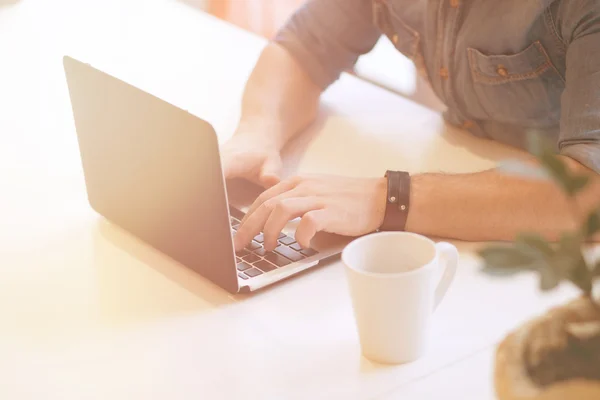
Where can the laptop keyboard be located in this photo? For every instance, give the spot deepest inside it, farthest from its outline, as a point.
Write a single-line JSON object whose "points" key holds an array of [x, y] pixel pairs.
{"points": [[254, 260]]}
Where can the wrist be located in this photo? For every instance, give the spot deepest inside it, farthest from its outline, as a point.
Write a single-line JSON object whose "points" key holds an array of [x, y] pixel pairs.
{"points": [[397, 201], [380, 199], [262, 130]]}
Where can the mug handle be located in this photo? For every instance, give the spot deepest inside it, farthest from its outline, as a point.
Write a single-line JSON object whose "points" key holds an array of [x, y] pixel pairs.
{"points": [[450, 255]]}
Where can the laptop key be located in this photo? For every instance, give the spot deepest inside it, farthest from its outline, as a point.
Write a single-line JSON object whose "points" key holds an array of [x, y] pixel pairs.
{"points": [[236, 227], [241, 275], [253, 272], [277, 259], [288, 253], [243, 266], [308, 252], [242, 253], [253, 246], [281, 235], [252, 258], [296, 246], [259, 238], [287, 240], [260, 251], [265, 266], [235, 213]]}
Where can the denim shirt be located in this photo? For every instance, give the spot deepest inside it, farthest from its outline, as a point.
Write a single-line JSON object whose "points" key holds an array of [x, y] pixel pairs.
{"points": [[502, 67]]}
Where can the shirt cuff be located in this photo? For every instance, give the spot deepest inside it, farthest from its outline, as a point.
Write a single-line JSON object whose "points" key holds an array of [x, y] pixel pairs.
{"points": [[305, 58], [587, 154]]}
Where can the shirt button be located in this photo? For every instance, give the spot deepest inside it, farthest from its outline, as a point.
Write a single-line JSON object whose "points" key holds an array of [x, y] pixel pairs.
{"points": [[444, 73], [502, 71], [454, 3]]}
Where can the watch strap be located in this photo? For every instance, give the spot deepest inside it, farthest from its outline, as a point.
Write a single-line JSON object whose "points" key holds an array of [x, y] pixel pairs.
{"points": [[397, 201]]}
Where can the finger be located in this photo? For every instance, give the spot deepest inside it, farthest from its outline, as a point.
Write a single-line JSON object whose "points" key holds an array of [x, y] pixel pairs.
{"points": [[311, 223], [282, 187], [270, 172], [253, 224], [231, 167], [285, 210]]}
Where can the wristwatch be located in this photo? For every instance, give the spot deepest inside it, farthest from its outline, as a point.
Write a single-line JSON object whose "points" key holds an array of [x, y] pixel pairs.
{"points": [[397, 201]]}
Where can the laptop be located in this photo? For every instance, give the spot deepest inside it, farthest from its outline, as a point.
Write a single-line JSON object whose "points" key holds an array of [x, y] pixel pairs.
{"points": [[154, 170]]}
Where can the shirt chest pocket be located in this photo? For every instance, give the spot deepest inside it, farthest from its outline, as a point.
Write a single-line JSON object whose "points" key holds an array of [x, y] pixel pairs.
{"points": [[405, 38], [522, 88]]}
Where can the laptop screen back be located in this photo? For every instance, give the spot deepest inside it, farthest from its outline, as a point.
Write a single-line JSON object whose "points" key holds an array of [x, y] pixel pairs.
{"points": [[154, 170]]}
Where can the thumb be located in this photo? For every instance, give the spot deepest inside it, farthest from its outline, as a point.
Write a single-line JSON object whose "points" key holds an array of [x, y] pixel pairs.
{"points": [[231, 168], [232, 163], [270, 171]]}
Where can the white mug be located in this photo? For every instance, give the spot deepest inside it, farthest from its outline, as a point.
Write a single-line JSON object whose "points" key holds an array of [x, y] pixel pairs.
{"points": [[395, 285]]}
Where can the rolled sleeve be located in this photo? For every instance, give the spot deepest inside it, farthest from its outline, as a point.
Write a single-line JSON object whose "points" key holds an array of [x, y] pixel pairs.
{"points": [[580, 120], [326, 37], [587, 154]]}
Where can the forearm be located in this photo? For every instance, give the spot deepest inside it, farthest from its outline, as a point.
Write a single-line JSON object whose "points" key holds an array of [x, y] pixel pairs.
{"points": [[490, 205], [279, 98]]}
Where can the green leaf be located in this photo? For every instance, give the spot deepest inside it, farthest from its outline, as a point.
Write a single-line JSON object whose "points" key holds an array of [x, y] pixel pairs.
{"points": [[569, 250], [554, 265], [562, 265], [575, 184], [556, 168], [569, 262], [522, 169], [534, 245], [548, 279], [571, 184], [592, 225], [571, 243], [565, 258], [553, 165], [596, 271], [504, 259], [541, 252], [537, 144], [581, 276]]}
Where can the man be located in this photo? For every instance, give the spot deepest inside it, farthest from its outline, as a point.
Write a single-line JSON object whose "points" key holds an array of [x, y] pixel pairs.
{"points": [[502, 68]]}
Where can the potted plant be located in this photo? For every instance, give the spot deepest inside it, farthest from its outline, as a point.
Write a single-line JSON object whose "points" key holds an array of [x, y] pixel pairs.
{"points": [[556, 355]]}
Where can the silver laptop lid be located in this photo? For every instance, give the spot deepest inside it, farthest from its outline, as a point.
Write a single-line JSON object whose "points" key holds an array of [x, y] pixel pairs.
{"points": [[153, 170]]}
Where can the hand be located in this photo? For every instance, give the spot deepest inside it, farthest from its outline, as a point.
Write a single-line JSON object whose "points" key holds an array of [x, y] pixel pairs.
{"points": [[345, 206], [251, 156]]}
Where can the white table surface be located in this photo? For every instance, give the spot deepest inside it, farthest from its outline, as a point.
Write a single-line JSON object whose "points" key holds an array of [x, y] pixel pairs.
{"points": [[468, 379], [87, 312]]}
